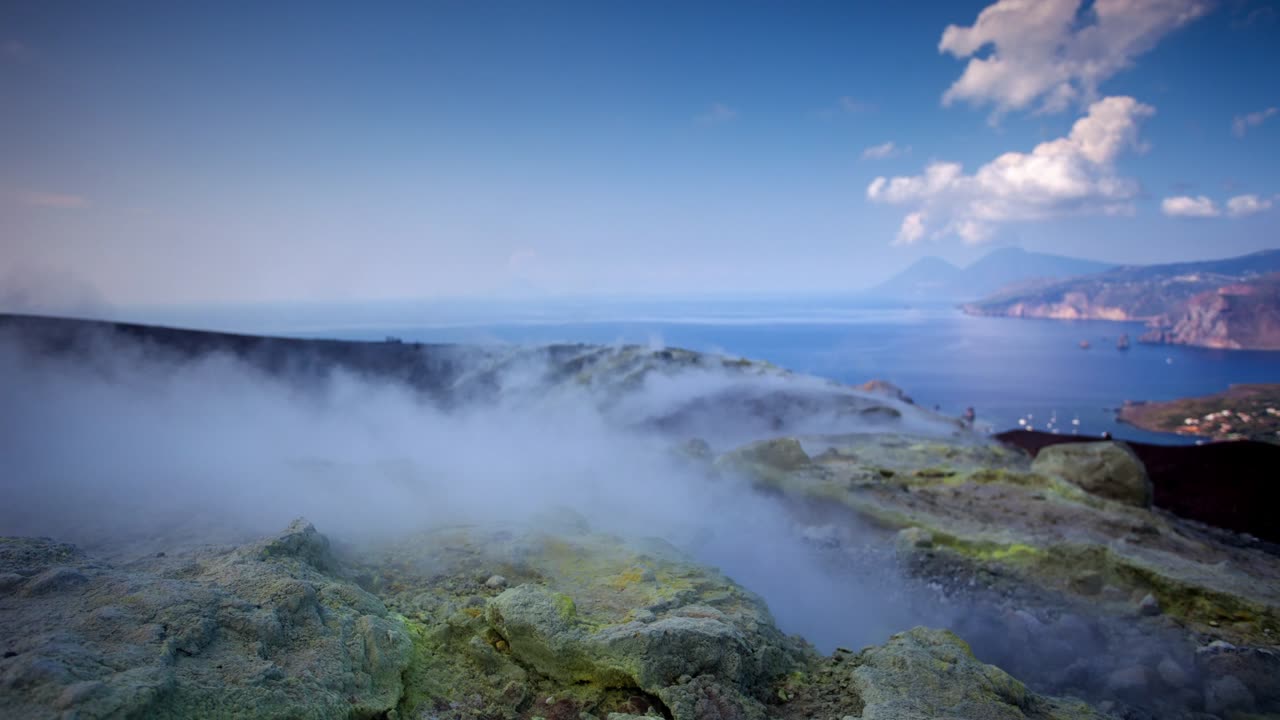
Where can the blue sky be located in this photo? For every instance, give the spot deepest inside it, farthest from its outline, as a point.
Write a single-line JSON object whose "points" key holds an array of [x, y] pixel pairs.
{"points": [[158, 153]]}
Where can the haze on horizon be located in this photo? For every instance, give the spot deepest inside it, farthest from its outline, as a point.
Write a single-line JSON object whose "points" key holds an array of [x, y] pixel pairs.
{"points": [[164, 154]]}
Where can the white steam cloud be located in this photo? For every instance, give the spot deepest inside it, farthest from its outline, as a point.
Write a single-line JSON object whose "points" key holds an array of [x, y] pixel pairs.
{"points": [[132, 448]]}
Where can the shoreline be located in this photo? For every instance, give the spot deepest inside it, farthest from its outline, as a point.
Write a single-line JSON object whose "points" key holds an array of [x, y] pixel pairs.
{"points": [[1241, 412]]}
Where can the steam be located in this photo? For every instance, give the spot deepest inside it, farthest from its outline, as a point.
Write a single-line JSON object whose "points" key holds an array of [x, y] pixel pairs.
{"points": [[127, 448], [132, 448], [33, 288]]}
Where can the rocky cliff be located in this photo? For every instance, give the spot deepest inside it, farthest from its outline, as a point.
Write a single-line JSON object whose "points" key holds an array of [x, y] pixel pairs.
{"points": [[1228, 304], [1240, 316], [1103, 297]]}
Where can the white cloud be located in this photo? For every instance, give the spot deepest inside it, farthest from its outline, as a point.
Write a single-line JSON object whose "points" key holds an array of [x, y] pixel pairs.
{"points": [[885, 150], [1242, 205], [912, 229], [1048, 51], [1187, 206], [1204, 207], [717, 114], [1070, 175], [1241, 124]]}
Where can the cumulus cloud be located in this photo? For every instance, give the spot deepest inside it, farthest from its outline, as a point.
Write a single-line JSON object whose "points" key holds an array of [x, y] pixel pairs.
{"points": [[1241, 124], [1187, 206], [885, 150], [1202, 206], [717, 114], [1070, 175], [1242, 205], [912, 229], [1050, 52]]}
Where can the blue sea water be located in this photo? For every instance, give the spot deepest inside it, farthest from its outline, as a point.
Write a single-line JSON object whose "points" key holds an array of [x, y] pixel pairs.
{"points": [[1013, 372]]}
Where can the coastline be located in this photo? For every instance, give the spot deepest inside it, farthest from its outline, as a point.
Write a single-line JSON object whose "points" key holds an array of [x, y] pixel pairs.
{"points": [[1241, 412]]}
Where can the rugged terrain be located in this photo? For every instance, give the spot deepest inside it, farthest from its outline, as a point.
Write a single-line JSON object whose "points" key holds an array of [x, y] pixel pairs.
{"points": [[576, 625], [1240, 316], [991, 584], [1230, 304], [1095, 590]]}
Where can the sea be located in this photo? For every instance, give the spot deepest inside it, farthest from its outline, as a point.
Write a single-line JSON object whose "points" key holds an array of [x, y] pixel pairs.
{"points": [[1015, 373]]}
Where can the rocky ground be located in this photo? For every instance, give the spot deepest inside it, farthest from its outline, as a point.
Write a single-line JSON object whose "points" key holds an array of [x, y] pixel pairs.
{"points": [[1045, 588], [1057, 571], [553, 622]]}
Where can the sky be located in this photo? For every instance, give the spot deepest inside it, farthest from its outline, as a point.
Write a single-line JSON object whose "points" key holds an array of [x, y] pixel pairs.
{"points": [[234, 152]]}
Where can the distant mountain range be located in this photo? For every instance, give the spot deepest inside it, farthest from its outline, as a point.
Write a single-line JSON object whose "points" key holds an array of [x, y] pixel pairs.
{"points": [[1232, 303], [935, 279]]}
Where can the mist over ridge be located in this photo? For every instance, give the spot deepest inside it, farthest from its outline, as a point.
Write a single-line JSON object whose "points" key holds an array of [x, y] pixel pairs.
{"points": [[129, 439]]}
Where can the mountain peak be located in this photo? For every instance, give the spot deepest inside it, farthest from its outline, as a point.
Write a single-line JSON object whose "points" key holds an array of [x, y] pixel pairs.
{"points": [[932, 278]]}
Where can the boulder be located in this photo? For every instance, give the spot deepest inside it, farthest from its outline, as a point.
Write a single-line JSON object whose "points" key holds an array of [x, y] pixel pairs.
{"points": [[543, 630], [705, 698], [1107, 469], [925, 673], [1257, 668], [594, 623], [778, 454], [1227, 694], [766, 463]]}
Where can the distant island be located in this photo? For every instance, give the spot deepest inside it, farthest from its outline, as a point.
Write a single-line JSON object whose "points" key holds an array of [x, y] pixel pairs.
{"points": [[1242, 412], [1230, 304], [935, 279]]}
